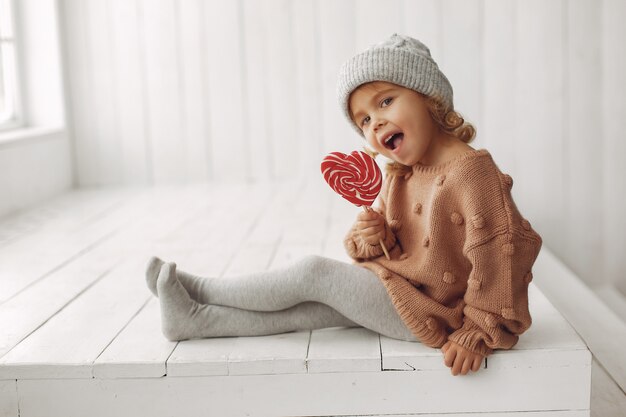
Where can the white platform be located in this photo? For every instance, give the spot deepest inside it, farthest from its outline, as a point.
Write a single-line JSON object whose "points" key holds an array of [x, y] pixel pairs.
{"points": [[80, 332]]}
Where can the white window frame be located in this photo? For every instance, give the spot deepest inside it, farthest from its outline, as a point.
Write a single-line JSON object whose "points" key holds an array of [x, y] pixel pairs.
{"points": [[15, 119]]}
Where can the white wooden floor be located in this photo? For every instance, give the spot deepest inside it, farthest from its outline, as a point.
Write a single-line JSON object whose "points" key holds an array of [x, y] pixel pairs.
{"points": [[80, 331]]}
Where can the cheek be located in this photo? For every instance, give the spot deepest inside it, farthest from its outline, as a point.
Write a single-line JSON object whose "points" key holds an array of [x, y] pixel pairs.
{"points": [[423, 123]]}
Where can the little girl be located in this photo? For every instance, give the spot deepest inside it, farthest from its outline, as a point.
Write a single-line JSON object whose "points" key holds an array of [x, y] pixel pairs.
{"points": [[460, 252]]}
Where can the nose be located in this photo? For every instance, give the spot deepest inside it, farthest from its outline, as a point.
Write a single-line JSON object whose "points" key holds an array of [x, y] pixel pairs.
{"points": [[377, 123]]}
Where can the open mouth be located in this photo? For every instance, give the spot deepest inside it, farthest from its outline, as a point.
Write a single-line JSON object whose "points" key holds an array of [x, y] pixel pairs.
{"points": [[393, 141]]}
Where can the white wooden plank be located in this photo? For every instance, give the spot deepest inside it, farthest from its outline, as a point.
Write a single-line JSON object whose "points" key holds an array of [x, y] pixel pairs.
{"points": [[261, 241], [333, 244], [162, 77], [270, 226], [308, 394], [550, 342], [409, 356], [551, 413], [304, 225], [613, 298], [584, 120], [281, 88], [227, 115], [19, 318], [462, 57], [308, 84], [539, 113], [198, 213], [129, 92], [24, 159], [579, 358], [284, 353], [613, 147], [24, 313], [68, 343], [607, 399], [107, 146], [226, 230], [116, 361], [587, 314], [22, 265], [354, 349], [372, 26], [498, 88], [81, 103], [139, 351], [422, 20], [252, 257], [63, 212], [9, 405], [68, 213], [201, 357], [336, 21], [261, 162], [287, 254], [193, 103], [549, 329]]}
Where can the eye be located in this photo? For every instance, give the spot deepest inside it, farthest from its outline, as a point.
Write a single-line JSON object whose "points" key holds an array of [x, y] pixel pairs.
{"points": [[387, 100], [365, 120]]}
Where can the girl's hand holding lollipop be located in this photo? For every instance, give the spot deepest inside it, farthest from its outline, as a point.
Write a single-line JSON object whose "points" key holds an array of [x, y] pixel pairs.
{"points": [[358, 179]]}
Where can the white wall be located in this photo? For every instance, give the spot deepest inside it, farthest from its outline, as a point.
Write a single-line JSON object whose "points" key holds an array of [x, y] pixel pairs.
{"points": [[35, 160], [189, 90]]}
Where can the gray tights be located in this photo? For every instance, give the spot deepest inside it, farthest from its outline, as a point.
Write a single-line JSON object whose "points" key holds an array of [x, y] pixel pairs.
{"points": [[312, 293]]}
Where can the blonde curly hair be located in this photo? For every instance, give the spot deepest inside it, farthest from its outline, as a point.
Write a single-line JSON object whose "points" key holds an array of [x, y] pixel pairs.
{"points": [[448, 120]]}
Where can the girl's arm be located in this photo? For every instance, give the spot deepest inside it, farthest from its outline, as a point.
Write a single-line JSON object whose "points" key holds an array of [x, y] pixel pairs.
{"points": [[496, 310], [502, 247]]}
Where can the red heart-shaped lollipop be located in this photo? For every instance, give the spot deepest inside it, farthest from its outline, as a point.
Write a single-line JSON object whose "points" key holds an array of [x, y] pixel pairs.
{"points": [[355, 177]]}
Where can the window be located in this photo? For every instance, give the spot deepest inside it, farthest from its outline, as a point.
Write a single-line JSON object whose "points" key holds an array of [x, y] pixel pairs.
{"points": [[9, 114]]}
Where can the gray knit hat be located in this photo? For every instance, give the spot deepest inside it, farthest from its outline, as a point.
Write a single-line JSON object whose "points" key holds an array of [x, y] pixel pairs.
{"points": [[400, 60]]}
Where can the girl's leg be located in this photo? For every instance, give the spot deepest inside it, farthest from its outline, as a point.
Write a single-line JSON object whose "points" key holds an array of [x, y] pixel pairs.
{"points": [[184, 318], [353, 291]]}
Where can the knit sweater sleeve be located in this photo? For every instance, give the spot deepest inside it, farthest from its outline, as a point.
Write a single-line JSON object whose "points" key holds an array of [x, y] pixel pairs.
{"points": [[501, 247], [360, 250]]}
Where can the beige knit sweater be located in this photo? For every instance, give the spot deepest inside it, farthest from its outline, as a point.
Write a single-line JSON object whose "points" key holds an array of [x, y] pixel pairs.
{"points": [[461, 253]]}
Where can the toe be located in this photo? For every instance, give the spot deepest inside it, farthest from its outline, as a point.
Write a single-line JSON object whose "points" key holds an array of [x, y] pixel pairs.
{"points": [[153, 267]]}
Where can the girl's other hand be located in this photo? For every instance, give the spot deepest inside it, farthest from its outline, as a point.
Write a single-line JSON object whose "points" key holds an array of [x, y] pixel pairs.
{"points": [[460, 359], [370, 226]]}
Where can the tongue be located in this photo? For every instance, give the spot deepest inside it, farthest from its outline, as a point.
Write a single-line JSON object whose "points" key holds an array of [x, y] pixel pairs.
{"points": [[396, 141]]}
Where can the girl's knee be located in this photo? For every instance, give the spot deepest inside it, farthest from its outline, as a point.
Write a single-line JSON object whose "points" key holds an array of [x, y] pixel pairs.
{"points": [[312, 263]]}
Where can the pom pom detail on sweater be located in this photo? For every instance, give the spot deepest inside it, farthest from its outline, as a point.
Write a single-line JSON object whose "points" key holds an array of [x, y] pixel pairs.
{"points": [[417, 208], [491, 320], [507, 180], [508, 313], [473, 284], [456, 218], [431, 323], [508, 249], [425, 241], [478, 221], [440, 179], [528, 277], [449, 277]]}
